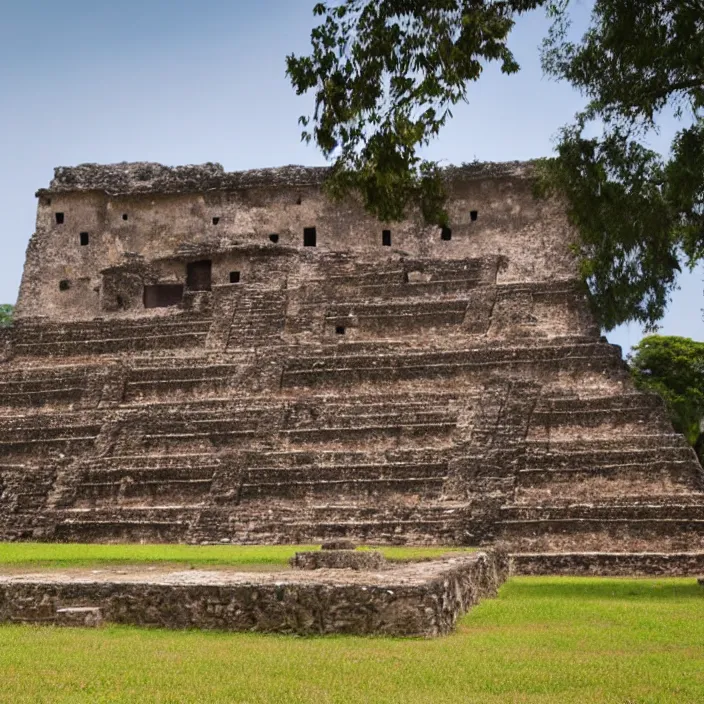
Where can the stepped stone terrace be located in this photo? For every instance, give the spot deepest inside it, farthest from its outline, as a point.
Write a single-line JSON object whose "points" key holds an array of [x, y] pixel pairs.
{"points": [[203, 356]]}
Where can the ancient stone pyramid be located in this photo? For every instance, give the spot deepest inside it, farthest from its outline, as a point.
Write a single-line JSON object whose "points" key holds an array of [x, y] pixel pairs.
{"points": [[210, 356]]}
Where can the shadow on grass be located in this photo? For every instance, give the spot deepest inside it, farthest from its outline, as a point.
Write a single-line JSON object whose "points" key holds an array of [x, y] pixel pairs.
{"points": [[603, 588]]}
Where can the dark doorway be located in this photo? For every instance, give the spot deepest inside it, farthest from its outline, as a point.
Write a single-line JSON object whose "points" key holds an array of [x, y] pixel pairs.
{"points": [[446, 234], [386, 238], [199, 275], [163, 295], [309, 237]]}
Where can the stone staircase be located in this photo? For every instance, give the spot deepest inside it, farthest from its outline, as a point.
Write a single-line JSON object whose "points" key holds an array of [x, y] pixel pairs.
{"points": [[450, 410], [109, 337]]}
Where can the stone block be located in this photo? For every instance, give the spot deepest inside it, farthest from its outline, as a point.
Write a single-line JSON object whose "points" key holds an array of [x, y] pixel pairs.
{"points": [[338, 545], [82, 616], [345, 559]]}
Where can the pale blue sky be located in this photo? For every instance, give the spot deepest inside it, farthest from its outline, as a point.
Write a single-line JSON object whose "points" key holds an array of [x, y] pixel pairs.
{"points": [[189, 81]]}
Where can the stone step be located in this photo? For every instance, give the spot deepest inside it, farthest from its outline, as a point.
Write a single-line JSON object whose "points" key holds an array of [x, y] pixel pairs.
{"points": [[647, 414], [159, 462], [46, 438], [352, 369], [428, 487], [46, 395], [546, 476], [625, 507], [60, 385], [343, 458], [571, 455], [347, 472], [115, 345], [121, 492], [264, 522], [615, 535], [374, 280], [114, 474], [621, 401], [646, 445], [609, 563], [101, 329], [395, 290], [397, 317], [159, 524], [120, 531], [537, 486], [350, 431], [190, 372], [429, 523]]}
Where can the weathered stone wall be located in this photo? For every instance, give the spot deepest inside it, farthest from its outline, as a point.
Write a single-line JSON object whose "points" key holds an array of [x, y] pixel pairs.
{"points": [[604, 564], [414, 600], [144, 222]]}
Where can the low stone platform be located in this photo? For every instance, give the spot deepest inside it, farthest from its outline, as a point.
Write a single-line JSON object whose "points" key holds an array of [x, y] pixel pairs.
{"points": [[415, 599], [609, 564]]}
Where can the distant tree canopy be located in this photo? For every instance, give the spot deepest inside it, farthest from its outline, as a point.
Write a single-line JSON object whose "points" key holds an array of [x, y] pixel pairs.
{"points": [[7, 312], [674, 368], [386, 74]]}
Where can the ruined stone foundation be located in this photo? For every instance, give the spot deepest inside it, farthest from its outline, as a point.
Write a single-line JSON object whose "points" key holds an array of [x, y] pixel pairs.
{"points": [[231, 357], [419, 599]]}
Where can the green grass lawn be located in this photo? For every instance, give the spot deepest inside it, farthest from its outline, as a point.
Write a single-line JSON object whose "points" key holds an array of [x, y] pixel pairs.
{"points": [[543, 640], [30, 555], [556, 640]]}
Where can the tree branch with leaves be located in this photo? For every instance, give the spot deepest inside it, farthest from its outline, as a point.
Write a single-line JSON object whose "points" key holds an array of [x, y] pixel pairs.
{"points": [[386, 75]]}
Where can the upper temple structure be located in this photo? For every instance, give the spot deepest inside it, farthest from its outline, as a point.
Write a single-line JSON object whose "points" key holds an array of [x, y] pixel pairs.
{"points": [[203, 356]]}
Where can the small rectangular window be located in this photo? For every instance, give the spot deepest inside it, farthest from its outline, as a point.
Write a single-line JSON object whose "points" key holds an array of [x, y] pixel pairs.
{"points": [[59, 218], [340, 330], [386, 238], [85, 237], [234, 277], [309, 237], [446, 234], [473, 215]]}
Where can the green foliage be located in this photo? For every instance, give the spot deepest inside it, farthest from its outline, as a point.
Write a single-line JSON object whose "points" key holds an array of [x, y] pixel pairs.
{"points": [[543, 641], [640, 215], [7, 312], [386, 74], [674, 368]]}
